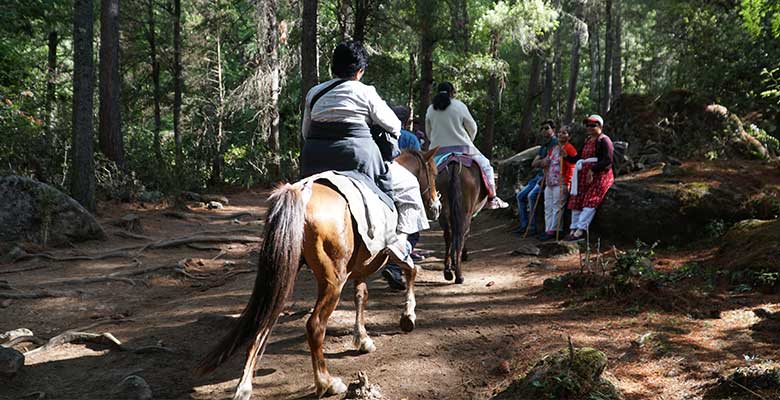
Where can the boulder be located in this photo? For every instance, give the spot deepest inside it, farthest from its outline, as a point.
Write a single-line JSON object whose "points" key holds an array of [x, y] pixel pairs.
{"points": [[751, 245], [666, 211], [566, 374], [514, 172], [11, 362], [132, 388], [34, 211], [763, 378]]}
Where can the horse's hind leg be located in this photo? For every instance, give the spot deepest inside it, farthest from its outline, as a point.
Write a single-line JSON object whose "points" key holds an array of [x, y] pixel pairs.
{"points": [[408, 317], [447, 259], [362, 342], [328, 299], [244, 389]]}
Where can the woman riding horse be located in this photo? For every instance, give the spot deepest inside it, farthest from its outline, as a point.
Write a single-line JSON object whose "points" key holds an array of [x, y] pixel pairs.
{"points": [[452, 128], [313, 223]]}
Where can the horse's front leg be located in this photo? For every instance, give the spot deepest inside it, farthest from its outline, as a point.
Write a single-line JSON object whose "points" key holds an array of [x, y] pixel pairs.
{"points": [[362, 342], [409, 317]]}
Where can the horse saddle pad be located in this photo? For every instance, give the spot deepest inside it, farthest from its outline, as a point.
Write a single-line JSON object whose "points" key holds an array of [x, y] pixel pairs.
{"points": [[442, 160], [375, 221]]}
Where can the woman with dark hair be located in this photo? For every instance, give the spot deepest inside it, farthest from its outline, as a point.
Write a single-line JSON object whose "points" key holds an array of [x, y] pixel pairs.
{"points": [[451, 127], [337, 137]]}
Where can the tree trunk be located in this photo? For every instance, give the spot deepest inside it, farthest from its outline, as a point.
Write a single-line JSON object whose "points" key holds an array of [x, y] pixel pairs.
{"points": [[177, 88], [410, 89], [425, 11], [272, 53], [608, 40], [617, 57], [459, 12], [151, 37], [494, 99], [309, 53], [574, 66], [595, 60], [547, 91], [82, 186], [362, 11], [51, 76], [218, 162], [526, 123], [342, 16], [110, 130], [558, 71]]}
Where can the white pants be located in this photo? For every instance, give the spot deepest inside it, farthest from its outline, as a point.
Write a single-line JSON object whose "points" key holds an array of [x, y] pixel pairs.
{"points": [[484, 164], [582, 219], [553, 206], [408, 200]]}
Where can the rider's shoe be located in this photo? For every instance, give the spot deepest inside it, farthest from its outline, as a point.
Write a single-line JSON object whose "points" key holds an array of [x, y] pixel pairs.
{"points": [[496, 203], [392, 274]]}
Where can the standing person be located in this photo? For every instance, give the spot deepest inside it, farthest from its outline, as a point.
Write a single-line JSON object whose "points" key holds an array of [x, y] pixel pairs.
{"points": [[450, 126], [337, 137], [557, 179], [594, 177], [526, 198]]}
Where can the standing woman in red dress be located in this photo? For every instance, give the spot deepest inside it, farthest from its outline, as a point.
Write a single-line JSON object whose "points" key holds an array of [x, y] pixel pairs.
{"points": [[594, 177]]}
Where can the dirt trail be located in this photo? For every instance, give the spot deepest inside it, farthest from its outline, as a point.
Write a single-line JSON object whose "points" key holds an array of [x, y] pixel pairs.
{"points": [[463, 334]]}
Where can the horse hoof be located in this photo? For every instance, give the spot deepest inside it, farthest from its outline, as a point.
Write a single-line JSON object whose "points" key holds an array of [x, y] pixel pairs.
{"points": [[407, 323], [336, 387], [366, 346], [447, 275], [459, 280]]}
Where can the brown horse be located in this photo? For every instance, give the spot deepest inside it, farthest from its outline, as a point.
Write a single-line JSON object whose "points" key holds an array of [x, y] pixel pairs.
{"points": [[462, 192], [326, 237]]}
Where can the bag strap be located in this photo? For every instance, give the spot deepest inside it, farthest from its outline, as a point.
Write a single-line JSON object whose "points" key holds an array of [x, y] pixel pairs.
{"points": [[323, 91]]}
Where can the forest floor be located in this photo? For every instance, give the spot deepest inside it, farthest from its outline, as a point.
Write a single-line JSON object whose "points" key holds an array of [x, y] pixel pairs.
{"points": [[463, 336]]}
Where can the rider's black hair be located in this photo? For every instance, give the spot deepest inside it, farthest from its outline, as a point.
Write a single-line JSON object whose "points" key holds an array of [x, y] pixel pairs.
{"points": [[442, 99], [348, 59]]}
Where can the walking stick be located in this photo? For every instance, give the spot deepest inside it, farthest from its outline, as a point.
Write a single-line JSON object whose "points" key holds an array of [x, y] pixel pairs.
{"points": [[533, 210], [560, 209]]}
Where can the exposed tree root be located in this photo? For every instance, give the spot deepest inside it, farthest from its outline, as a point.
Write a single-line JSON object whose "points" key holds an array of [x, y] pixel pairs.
{"points": [[105, 338], [41, 294]]}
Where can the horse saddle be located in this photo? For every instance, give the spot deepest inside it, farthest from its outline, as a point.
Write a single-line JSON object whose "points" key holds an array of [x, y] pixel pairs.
{"points": [[375, 222]]}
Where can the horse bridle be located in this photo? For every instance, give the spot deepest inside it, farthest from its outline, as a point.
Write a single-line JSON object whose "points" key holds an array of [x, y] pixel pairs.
{"points": [[424, 166]]}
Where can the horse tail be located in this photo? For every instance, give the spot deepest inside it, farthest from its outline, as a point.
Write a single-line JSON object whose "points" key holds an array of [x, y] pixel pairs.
{"points": [[277, 269], [455, 199]]}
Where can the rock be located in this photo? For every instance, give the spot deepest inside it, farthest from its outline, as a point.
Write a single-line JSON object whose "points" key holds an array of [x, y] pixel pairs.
{"points": [[553, 249], [566, 374], [526, 249], [6, 303], [751, 245], [362, 390], [153, 196], [206, 198], [11, 335], [504, 368], [754, 377], [130, 222], [670, 211], [214, 205], [514, 172], [132, 388], [11, 362], [36, 212]]}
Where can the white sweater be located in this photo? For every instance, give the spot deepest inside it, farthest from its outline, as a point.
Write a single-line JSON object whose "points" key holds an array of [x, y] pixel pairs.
{"points": [[352, 101], [453, 126]]}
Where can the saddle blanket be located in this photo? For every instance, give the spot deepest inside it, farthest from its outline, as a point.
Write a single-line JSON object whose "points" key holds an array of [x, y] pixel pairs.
{"points": [[442, 160], [376, 222]]}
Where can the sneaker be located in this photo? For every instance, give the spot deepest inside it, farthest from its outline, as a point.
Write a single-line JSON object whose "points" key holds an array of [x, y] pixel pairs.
{"points": [[496, 203], [575, 236], [392, 275], [416, 256]]}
